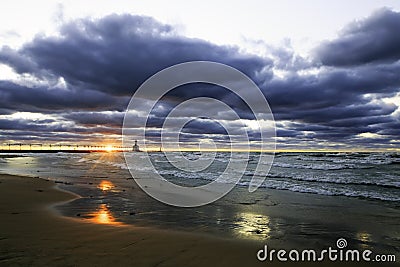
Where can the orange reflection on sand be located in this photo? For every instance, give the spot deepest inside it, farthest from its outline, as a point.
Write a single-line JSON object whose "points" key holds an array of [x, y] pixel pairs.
{"points": [[104, 216], [106, 185]]}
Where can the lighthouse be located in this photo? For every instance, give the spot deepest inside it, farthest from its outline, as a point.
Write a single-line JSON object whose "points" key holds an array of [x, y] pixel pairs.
{"points": [[136, 147]]}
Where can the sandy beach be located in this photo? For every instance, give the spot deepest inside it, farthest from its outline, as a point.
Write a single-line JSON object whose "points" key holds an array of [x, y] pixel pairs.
{"points": [[32, 234]]}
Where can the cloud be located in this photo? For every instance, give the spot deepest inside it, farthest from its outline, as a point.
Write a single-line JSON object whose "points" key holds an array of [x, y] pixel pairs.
{"points": [[20, 63], [204, 126], [370, 40], [109, 119], [86, 74], [117, 53], [44, 99]]}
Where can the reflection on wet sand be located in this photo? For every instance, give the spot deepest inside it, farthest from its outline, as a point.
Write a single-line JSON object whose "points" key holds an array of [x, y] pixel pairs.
{"points": [[103, 216], [365, 238], [106, 185], [253, 226]]}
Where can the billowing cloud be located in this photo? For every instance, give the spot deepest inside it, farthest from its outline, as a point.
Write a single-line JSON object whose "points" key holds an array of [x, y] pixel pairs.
{"points": [[85, 75], [117, 53], [54, 99], [375, 39]]}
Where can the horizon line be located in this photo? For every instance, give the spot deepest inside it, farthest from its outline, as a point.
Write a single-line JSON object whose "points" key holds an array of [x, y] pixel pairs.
{"points": [[118, 149]]}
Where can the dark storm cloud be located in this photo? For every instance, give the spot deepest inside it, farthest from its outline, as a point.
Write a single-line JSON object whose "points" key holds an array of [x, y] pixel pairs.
{"points": [[333, 87], [204, 126], [343, 101], [45, 99], [375, 39], [391, 128], [117, 53], [5, 111], [287, 133], [19, 62], [110, 119], [52, 126], [103, 61], [195, 139], [347, 100], [333, 114], [12, 124]]}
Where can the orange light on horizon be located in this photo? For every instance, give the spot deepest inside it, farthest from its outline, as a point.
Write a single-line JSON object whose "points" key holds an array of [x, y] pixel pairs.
{"points": [[109, 148]]}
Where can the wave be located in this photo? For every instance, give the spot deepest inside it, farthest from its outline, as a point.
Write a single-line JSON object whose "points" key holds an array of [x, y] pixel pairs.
{"points": [[395, 185], [333, 180], [350, 158], [319, 166], [327, 192], [315, 177]]}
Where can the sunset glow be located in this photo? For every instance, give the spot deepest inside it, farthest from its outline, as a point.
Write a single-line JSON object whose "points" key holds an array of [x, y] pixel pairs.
{"points": [[104, 216]]}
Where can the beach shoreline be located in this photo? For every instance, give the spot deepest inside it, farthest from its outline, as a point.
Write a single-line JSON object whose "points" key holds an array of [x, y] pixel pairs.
{"points": [[34, 235]]}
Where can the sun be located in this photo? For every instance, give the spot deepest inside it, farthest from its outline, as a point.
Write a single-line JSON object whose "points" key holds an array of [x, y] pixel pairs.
{"points": [[109, 148]]}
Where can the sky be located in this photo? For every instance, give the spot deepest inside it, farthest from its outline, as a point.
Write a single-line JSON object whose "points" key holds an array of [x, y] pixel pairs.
{"points": [[329, 69]]}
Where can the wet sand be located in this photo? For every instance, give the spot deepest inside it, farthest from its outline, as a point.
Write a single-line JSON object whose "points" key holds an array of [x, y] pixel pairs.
{"points": [[32, 234]]}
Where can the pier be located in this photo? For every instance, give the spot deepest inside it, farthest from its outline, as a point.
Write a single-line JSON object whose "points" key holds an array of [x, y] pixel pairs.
{"points": [[55, 148]]}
